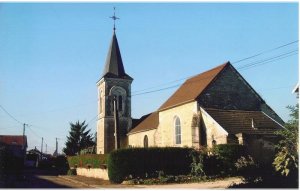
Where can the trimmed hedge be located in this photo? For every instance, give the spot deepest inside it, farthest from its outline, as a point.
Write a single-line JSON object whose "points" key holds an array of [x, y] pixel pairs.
{"points": [[142, 162], [89, 160]]}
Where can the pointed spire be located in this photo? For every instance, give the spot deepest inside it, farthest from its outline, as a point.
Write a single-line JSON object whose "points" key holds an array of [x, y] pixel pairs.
{"points": [[114, 64]]}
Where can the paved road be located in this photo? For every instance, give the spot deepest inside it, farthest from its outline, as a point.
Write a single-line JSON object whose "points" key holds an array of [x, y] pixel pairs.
{"points": [[104, 184], [218, 184], [34, 178]]}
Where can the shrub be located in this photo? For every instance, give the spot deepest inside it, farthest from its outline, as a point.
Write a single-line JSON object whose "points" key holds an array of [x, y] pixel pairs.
{"points": [[248, 169], [227, 155], [91, 160], [197, 166], [72, 172], [213, 166], [229, 152], [61, 164], [139, 162]]}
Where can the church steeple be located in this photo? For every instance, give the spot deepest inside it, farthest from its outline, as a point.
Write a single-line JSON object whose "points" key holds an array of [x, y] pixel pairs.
{"points": [[114, 95], [114, 65]]}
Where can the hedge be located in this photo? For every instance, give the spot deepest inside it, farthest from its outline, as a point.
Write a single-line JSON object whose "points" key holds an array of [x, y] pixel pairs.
{"points": [[223, 160], [89, 160], [229, 152], [142, 162]]}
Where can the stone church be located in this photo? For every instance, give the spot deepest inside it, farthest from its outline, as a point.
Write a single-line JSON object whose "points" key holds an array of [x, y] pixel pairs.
{"points": [[217, 106]]}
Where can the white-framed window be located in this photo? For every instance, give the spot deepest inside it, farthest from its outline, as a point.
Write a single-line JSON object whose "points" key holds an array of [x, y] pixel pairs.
{"points": [[177, 130]]}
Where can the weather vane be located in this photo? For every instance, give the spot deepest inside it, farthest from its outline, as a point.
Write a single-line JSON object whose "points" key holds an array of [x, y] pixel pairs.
{"points": [[114, 18]]}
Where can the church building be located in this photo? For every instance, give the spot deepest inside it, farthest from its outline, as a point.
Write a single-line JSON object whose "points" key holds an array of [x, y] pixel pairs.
{"points": [[217, 106]]}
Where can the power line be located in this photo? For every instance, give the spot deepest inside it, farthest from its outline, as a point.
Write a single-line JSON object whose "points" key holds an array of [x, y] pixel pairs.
{"points": [[266, 51], [10, 114], [244, 67], [235, 62], [270, 59], [163, 84], [92, 119], [28, 125], [170, 87]]}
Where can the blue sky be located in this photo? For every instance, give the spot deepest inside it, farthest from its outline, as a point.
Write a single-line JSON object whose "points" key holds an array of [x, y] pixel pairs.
{"points": [[52, 55]]}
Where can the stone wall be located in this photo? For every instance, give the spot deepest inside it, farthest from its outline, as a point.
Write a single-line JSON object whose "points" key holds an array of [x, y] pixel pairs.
{"points": [[105, 123], [166, 130], [93, 172], [137, 139], [230, 91], [212, 130]]}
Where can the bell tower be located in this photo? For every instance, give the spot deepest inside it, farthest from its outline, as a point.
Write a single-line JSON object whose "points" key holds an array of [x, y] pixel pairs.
{"points": [[114, 83]]}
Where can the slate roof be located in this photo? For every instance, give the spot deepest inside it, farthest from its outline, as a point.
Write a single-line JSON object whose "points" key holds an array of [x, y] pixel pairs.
{"points": [[13, 140], [114, 67], [238, 121], [192, 88], [148, 122]]}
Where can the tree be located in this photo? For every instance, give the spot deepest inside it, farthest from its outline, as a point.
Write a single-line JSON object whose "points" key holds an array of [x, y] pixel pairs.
{"points": [[286, 159], [78, 139]]}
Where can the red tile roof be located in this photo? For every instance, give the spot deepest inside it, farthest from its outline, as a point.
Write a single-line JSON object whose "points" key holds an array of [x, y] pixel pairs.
{"points": [[150, 122], [192, 87], [187, 92], [13, 139], [238, 121]]}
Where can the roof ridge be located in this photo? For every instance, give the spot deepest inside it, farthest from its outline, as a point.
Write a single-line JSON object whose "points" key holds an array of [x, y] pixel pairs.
{"points": [[12, 135], [236, 110], [195, 89], [217, 67]]}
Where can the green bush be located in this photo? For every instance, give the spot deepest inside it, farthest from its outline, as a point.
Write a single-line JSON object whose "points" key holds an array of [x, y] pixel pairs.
{"points": [[146, 162], [89, 160], [213, 166], [225, 157], [248, 169], [197, 165], [61, 164], [72, 172], [229, 152]]}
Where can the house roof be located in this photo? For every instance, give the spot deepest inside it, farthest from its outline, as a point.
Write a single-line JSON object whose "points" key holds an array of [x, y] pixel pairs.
{"points": [[18, 140], [296, 88], [114, 65], [193, 87], [247, 122], [187, 92], [148, 122]]}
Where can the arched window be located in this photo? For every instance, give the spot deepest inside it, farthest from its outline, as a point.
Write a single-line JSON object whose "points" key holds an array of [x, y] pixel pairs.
{"points": [[177, 131], [120, 94], [145, 141], [120, 103]]}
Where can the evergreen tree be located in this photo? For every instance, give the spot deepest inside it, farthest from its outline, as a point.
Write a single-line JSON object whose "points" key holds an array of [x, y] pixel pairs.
{"points": [[78, 139]]}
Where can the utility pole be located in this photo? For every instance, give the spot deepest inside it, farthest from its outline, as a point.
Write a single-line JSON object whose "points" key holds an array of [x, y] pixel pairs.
{"points": [[42, 147], [116, 118], [46, 149], [24, 126], [24, 129], [56, 146]]}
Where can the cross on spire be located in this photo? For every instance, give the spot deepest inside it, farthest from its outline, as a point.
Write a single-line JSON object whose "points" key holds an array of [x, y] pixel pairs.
{"points": [[114, 18]]}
